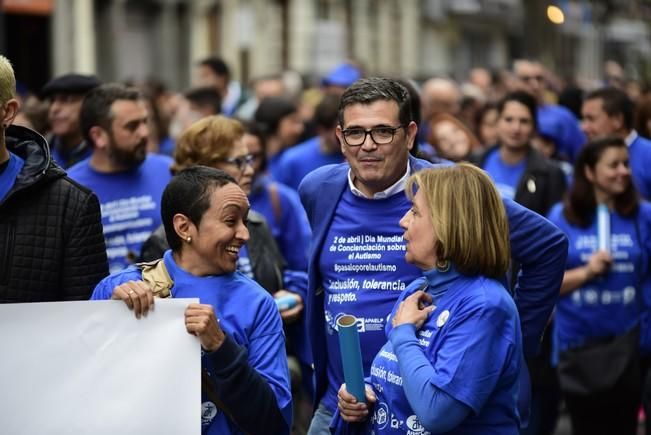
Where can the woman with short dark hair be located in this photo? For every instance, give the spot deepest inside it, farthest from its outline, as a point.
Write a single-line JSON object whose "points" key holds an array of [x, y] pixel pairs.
{"points": [[204, 213]]}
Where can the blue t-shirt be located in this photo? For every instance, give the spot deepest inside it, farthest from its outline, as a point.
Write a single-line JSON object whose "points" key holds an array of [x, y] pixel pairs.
{"points": [[608, 305], [473, 342], [640, 162], [129, 202], [506, 177], [246, 313], [68, 158], [570, 138], [363, 268], [8, 176], [300, 160], [288, 224]]}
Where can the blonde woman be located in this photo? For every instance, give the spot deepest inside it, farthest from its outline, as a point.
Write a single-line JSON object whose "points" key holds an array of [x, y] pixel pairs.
{"points": [[454, 353]]}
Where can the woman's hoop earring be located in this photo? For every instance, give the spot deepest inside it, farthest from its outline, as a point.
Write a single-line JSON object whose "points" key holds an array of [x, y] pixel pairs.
{"points": [[442, 265]]}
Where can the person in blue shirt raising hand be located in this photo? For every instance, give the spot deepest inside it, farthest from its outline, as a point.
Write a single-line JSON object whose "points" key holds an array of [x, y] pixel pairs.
{"points": [[604, 303], [454, 354]]}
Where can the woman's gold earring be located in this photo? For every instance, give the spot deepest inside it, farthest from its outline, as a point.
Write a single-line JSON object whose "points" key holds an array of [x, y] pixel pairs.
{"points": [[442, 265], [189, 239]]}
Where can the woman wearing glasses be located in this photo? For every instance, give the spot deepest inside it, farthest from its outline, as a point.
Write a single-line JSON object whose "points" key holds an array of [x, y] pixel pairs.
{"points": [[216, 141]]}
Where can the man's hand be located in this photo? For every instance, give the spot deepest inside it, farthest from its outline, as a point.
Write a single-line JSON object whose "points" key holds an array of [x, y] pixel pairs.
{"points": [[350, 409]]}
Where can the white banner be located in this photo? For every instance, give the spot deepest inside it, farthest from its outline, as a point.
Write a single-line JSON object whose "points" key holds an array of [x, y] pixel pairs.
{"points": [[91, 367]]}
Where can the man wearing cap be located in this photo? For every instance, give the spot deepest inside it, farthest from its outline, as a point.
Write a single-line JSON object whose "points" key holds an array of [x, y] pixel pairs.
{"points": [[51, 242], [340, 77], [128, 181], [65, 94]]}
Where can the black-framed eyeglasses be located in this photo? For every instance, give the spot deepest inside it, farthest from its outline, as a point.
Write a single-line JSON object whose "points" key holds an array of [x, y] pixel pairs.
{"points": [[526, 78], [241, 162], [355, 137]]}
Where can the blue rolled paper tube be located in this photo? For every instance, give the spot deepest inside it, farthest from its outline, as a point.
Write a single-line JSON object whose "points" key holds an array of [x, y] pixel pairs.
{"points": [[603, 227], [351, 356]]}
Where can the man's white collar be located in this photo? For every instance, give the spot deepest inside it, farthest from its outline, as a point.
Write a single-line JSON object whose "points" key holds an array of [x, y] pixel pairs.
{"points": [[631, 138], [396, 187]]}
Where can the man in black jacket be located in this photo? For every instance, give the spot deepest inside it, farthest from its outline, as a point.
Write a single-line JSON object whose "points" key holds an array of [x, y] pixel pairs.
{"points": [[51, 241]]}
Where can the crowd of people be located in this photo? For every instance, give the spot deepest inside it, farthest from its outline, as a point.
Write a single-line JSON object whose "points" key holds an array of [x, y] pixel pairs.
{"points": [[492, 238]]}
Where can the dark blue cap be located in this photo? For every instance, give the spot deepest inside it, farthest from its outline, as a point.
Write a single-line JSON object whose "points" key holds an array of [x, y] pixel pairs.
{"points": [[70, 84]]}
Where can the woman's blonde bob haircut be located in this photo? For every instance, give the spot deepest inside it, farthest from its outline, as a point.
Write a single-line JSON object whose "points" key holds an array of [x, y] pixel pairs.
{"points": [[206, 142], [469, 219], [7, 80]]}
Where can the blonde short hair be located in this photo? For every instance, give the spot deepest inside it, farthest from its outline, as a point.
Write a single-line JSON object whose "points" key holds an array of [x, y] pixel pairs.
{"points": [[469, 218], [206, 142], [7, 80]]}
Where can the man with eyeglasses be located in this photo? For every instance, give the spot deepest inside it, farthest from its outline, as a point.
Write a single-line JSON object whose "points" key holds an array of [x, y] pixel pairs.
{"points": [[357, 263], [128, 181], [532, 79]]}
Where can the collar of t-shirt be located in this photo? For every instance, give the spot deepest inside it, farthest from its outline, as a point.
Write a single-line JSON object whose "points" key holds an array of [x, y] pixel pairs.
{"points": [[396, 187], [9, 174], [4, 165], [631, 138], [439, 281]]}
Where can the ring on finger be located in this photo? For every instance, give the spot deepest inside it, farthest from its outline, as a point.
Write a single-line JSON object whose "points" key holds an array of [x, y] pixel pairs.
{"points": [[131, 292]]}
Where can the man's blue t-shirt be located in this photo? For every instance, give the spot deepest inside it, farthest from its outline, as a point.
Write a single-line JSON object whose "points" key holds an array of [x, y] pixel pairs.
{"points": [[473, 342], [506, 177], [246, 313], [129, 202], [300, 160], [8, 176], [608, 305], [363, 272]]}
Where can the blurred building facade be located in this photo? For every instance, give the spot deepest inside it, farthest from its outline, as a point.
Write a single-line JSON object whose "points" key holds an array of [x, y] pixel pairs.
{"points": [[136, 39]]}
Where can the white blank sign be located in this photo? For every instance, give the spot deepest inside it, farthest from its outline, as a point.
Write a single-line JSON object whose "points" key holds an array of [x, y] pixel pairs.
{"points": [[91, 367]]}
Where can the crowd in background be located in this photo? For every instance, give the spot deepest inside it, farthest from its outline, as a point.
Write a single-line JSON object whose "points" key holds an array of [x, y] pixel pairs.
{"points": [[547, 144]]}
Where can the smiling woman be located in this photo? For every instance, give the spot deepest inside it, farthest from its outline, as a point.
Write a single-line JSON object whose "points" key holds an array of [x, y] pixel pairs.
{"points": [[602, 316], [204, 214]]}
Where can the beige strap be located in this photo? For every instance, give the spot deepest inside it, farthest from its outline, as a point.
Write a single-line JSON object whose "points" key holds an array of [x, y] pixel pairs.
{"points": [[155, 274]]}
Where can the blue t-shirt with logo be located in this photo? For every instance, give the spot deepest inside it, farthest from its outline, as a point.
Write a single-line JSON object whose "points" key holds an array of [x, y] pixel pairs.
{"points": [[8, 176], [506, 177], [300, 160], [363, 272], [474, 345], [608, 305], [246, 313], [129, 202]]}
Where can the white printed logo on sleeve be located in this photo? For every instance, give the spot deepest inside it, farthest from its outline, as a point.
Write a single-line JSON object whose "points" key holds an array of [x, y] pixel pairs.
{"points": [[415, 427], [442, 319], [208, 412]]}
